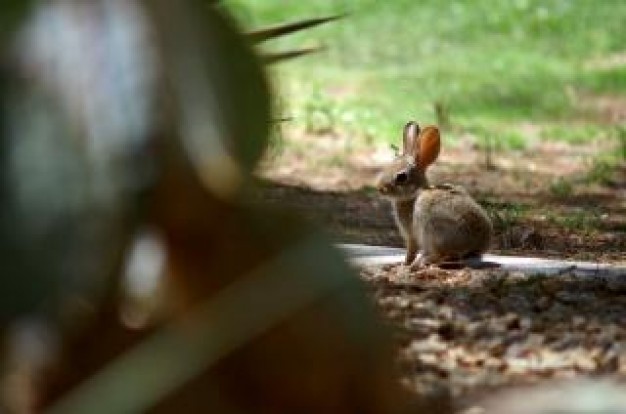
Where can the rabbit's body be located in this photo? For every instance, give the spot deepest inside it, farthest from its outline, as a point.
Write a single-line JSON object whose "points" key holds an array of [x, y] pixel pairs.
{"points": [[449, 225], [443, 222]]}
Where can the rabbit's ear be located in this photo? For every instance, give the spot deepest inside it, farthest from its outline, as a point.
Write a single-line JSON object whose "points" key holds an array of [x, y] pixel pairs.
{"points": [[410, 138], [429, 145]]}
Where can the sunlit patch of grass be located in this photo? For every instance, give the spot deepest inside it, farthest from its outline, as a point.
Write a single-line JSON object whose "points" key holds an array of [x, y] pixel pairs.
{"points": [[491, 63], [611, 81], [320, 115], [501, 137], [511, 140], [577, 134]]}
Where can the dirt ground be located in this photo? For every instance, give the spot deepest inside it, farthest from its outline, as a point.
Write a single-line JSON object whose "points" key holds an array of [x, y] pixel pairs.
{"points": [[463, 333], [544, 201]]}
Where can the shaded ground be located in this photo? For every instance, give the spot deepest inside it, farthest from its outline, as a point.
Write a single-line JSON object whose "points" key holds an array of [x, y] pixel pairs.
{"points": [[464, 333], [552, 200]]}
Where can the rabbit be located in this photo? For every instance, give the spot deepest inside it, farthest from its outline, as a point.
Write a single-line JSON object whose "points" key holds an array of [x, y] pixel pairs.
{"points": [[440, 223]]}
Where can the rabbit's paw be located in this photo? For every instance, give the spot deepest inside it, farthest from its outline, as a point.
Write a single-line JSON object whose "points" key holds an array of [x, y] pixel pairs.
{"points": [[419, 262]]}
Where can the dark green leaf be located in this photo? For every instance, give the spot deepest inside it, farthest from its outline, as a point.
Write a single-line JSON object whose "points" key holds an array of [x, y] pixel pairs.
{"points": [[264, 34], [271, 58]]}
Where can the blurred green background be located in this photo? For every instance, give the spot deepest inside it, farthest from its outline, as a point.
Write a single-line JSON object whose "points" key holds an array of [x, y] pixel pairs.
{"points": [[493, 67]]}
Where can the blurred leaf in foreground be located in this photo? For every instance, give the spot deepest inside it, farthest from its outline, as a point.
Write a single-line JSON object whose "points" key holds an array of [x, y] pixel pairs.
{"points": [[154, 113]]}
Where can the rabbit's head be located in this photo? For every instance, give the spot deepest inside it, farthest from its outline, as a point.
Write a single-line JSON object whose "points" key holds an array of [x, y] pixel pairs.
{"points": [[404, 177]]}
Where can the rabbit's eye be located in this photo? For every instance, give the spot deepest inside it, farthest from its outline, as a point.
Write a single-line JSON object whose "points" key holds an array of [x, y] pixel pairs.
{"points": [[401, 177]]}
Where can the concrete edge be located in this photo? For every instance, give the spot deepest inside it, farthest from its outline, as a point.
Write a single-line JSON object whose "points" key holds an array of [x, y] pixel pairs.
{"points": [[362, 255]]}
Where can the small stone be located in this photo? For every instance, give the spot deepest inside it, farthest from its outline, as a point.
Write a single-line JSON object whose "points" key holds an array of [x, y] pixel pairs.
{"points": [[578, 321], [526, 324], [511, 321], [431, 344], [474, 410], [584, 362]]}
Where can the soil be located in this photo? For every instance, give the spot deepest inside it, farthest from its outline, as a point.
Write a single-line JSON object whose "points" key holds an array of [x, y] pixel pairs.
{"points": [[543, 201], [463, 333]]}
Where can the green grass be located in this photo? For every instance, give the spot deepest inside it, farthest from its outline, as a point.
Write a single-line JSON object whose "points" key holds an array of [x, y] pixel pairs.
{"points": [[601, 170], [561, 187], [574, 134], [505, 214], [620, 137], [581, 220], [610, 81], [494, 64]]}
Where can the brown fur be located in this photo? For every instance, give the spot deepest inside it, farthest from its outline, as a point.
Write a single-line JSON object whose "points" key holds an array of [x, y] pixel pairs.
{"points": [[443, 222]]}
